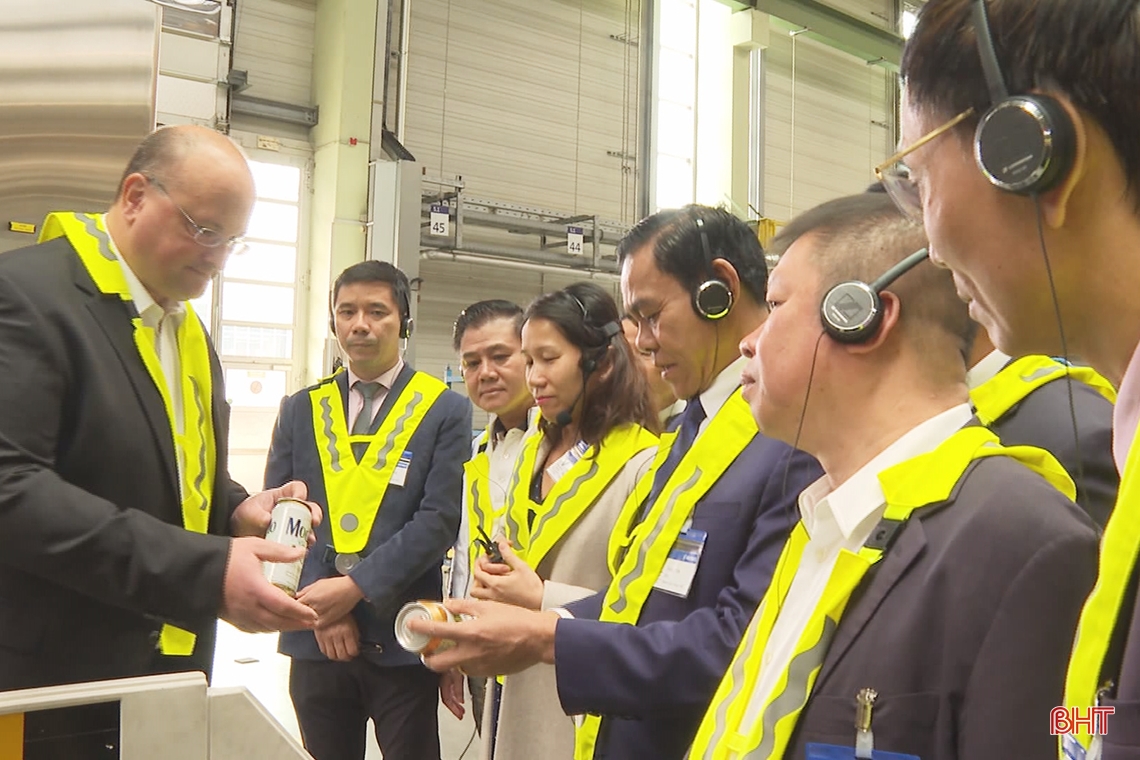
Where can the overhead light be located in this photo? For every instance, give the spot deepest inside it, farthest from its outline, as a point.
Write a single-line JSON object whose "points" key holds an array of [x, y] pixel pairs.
{"points": [[202, 7]]}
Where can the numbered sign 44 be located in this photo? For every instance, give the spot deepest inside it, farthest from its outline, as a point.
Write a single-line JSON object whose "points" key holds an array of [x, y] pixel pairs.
{"points": [[574, 239], [440, 221]]}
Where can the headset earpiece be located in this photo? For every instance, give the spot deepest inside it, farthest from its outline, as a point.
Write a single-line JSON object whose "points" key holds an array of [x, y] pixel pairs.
{"points": [[852, 311], [1024, 144], [712, 299]]}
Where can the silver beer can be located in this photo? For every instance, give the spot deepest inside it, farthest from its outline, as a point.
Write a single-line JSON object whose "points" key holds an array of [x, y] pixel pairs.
{"points": [[419, 643], [289, 524]]}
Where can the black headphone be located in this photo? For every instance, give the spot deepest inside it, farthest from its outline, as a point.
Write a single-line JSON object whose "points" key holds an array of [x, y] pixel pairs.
{"points": [[1024, 144], [403, 300], [713, 298], [851, 311], [589, 363]]}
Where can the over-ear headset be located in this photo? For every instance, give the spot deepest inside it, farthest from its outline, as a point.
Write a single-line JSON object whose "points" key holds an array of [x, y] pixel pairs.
{"points": [[589, 362], [1024, 144], [713, 298], [403, 301], [851, 311]]}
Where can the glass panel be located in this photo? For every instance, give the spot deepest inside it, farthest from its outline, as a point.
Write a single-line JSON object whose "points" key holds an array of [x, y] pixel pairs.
{"points": [[255, 388], [674, 182], [674, 129], [679, 25], [259, 342], [276, 182], [203, 304], [264, 261], [242, 302], [676, 80], [273, 221]]}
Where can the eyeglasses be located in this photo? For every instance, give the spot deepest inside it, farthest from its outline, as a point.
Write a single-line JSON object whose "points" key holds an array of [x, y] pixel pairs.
{"points": [[895, 175], [203, 236]]}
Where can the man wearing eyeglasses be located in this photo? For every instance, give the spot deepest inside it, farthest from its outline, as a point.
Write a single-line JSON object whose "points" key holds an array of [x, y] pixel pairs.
{"points": [[1020, 121], [124, 536]]}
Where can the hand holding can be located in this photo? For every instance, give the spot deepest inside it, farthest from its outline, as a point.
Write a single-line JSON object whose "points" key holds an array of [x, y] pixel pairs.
{"points": [[289, 524]]}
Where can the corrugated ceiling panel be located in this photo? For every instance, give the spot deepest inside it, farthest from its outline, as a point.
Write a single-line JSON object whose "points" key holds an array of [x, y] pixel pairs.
{"points": [[274, 43]]}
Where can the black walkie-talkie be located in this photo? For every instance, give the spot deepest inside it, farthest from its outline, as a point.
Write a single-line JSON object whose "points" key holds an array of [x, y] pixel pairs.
{"points": [[489, 547]]}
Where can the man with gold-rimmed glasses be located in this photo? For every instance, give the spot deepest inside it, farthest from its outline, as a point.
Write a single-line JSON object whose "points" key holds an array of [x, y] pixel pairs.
{"points": [[1037, 214]]}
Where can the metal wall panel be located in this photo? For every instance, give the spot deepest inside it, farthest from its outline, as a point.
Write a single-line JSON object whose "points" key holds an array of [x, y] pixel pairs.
{"points": [[77, 84], [824, 134], [527, 101], [274, 43]]}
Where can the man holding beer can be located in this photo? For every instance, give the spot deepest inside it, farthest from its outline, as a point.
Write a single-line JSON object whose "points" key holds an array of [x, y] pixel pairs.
{"points": [[382, 446]]}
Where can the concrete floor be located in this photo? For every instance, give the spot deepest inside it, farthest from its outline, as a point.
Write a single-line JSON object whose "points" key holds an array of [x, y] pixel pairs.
{"points": [[251, 660]]}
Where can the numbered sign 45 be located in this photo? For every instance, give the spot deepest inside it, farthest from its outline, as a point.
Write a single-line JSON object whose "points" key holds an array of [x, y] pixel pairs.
{"points": [[574, 240], [440, 222]]}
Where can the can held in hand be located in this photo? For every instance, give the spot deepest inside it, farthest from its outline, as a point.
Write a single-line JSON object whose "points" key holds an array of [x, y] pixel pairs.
{"points": [[421, 643], [289, 524]]}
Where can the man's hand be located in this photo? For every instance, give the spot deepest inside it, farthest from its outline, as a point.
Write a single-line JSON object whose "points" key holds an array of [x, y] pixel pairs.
{"points": [[251, 517], [510, 582], [451, 693], [254, 604], [331, 598], [499, 639], [339, 641]]}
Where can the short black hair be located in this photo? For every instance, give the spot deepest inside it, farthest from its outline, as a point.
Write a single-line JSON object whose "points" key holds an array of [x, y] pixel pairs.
{"points": [[1087, 49], [376, 271], [679, 252], [481, 312]]}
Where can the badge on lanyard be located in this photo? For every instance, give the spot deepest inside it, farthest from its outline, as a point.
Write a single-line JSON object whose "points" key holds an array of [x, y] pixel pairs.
{"points": [[864, 748], [835, 752], [681, 565], [400, 474], [567, 461], [1071, 749]]}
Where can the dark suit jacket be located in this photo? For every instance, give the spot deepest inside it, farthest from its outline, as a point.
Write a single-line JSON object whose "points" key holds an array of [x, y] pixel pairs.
{"points": [[94, 557], [1043, 419], [964, 628], [414, 528], [652, 681]]}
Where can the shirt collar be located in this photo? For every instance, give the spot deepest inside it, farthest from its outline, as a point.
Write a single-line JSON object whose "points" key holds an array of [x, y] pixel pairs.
{"points": [[144, 302], [387, 379], [1126, 413], [723, 386], [861, 495], [983, 371]]}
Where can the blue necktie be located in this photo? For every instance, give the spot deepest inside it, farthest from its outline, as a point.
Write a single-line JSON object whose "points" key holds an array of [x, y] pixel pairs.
{"points": [[691, 420]]}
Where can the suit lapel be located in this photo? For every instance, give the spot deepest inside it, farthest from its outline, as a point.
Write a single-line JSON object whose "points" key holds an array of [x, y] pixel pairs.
{"points": [[883, 577], [113, 316]]}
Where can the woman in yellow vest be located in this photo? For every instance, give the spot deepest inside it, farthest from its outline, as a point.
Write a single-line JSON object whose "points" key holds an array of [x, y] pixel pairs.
{"points": [[596, 441]]}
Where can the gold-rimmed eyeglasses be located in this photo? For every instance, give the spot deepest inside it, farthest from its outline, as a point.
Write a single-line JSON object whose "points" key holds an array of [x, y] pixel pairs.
{"points": [[203, 236], [895, 176]]}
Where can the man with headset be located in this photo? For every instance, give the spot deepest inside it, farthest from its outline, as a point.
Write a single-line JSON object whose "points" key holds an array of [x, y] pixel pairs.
{"points": [[694, 549], [929, 594], [1019, 131], [383, 446]]}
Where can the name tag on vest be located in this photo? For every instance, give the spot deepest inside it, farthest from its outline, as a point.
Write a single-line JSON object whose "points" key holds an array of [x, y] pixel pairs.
{"points": [[681, 566], [835, 752], [400, 474]]}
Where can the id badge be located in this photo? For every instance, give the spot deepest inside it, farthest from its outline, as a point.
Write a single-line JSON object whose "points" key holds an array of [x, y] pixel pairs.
{"points": [[681, 565], [400, 474], [835, 752], [1071, 749]]}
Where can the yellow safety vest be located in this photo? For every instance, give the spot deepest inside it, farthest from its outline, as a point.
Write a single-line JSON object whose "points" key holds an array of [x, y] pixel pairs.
{"points": [[637, 553], [354, 490], [1118, 551], [1009, 387], [481, 512], [196, 445], [573, 494], [921, 481]]}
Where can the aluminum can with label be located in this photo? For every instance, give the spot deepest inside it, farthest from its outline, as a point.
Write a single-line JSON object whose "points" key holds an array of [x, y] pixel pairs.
{"points": [[289, 524], [419, 643]]}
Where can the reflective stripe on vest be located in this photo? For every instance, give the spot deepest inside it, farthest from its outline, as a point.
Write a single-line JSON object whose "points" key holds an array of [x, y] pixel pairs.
{"points": [[481, 512], [1119, 548], [355, 490], [730, 730], [196, 446], [639, 551], [994, 398], [573, 494]]}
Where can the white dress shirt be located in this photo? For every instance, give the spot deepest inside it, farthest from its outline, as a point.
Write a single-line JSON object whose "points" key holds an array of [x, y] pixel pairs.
{"points": [[837, 519], [985, 369], [356, 398]]}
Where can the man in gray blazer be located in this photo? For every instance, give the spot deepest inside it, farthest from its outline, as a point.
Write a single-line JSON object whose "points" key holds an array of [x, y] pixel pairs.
{"points": [[935, 577], [382, 447]]}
